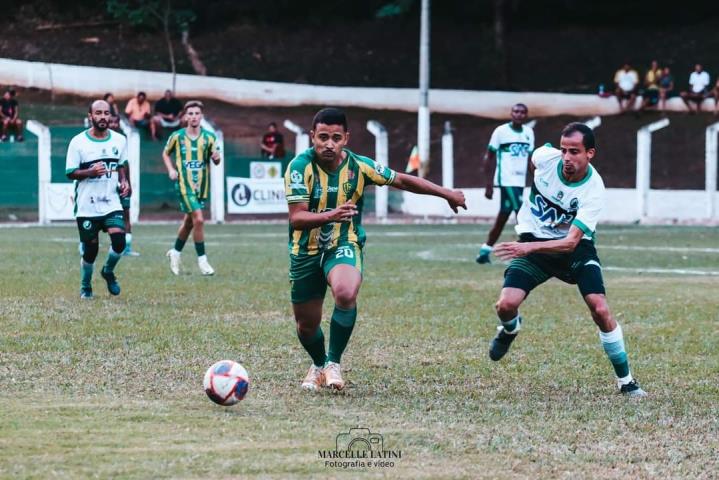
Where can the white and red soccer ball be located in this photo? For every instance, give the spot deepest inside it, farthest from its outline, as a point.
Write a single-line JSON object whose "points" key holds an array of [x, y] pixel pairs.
{"points": [[226, 382]]}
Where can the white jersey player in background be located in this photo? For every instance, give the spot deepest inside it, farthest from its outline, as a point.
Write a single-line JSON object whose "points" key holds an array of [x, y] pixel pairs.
{"points": [[505, 166], [556, 239], [96, 160]]}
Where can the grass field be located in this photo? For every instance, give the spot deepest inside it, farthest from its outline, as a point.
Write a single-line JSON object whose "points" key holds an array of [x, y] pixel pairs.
{"points": [[112, 388]]}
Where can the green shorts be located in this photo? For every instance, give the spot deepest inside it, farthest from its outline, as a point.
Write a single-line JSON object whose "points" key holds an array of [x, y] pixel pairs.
{"points": [[581, 267], [90, 227], [308, 273], [189, 202], [510, 199]]}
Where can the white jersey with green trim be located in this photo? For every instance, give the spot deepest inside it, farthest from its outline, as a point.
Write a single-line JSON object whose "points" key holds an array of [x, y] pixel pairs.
{"points": [[98, 196], [555, 204], [512, 148]]}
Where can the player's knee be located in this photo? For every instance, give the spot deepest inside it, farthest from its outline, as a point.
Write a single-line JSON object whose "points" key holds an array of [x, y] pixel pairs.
{"points": [[89, 251], [506, 306], [117, 240], [345, 295], [600, 311], [197, 221]]}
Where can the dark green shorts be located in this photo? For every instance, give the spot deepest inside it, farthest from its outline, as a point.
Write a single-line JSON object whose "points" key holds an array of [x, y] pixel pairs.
{"points": [[510, 199], [189, 202], [308, 273], [90, 227], [581, 267]]}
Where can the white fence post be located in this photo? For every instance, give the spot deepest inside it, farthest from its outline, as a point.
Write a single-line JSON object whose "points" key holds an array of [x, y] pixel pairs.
{"points": [[644, 163], [447, 156], [217, 177], [302, 140], [381, 156], [133, 158], [593, 122], [710, 156], [44, 171]]}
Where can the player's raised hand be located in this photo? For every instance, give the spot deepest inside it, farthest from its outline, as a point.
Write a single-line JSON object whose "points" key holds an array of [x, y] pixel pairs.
{"points": [[172, 174], [456, 200], [510, 250], [344, 212], [98, 169]]}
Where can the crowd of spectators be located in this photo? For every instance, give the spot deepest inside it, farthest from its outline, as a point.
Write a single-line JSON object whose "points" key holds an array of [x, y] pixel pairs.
{"points": [[659, 85]]}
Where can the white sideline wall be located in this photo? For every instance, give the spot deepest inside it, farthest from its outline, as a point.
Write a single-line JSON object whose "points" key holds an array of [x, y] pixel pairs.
{"points": [[96, 81], [621, 207]]}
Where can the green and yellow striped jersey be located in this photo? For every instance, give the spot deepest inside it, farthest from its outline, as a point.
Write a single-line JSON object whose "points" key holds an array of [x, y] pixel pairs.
{"points": [[307, 182], [192, 158]]}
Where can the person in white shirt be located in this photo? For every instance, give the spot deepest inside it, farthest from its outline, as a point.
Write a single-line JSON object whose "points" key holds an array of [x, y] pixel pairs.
{"points": [[556, 239], [505, 166], [626, 80], [97, 160], [699, 81]]}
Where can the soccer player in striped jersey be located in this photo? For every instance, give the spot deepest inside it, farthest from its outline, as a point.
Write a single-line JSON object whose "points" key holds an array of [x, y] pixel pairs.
{"points": [[505, 165], [96, 160], [556, 239], [325, 186], [187, 156]]}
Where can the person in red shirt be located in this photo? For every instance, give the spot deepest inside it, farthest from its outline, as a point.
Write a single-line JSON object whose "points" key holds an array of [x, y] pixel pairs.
{"points": [[9, 114], [272, 145]]}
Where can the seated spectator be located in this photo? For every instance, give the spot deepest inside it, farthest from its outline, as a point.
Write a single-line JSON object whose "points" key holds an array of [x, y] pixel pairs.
{"points": [[167, 114], [138, 111], [272, 145], [698, 88], [9, 113], [114, 111], [666, 87], [650, 95], [626, 81]]}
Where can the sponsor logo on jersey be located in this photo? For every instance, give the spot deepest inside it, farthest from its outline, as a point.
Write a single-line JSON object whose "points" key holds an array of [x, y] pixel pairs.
{"points": [[331, 189], [115, 151], [296, 176], [347, 188], [379, 168], [574, 204], [551, 215], [87, 224]]}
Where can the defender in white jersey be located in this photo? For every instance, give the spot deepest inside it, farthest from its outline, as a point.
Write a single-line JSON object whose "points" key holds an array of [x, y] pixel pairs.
{"points": [[97, 160], [505, 165], [556, 239]]}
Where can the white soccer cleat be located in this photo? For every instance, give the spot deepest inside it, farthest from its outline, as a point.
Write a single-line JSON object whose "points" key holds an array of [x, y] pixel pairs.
{"points": [[205, 266], [314, 379], [174, 256], [333, 376]]}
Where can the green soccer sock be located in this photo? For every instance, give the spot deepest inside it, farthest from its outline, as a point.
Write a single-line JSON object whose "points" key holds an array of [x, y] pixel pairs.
{"points": [[511, 326], [112, 259], [613, 343], [341, 326], [200, 248], [87, 268], [315, 346], [179, 244]]}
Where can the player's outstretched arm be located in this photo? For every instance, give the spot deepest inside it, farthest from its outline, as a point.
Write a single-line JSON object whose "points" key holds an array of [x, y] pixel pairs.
{"points": [[301, 218], [510, 250], [455, 198]]}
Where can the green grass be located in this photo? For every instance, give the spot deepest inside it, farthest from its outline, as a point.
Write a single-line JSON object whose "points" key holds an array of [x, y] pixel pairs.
{"points": [[113, 387]]}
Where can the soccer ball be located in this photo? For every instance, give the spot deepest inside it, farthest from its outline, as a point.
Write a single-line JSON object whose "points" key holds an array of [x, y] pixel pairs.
{"points": [[226, 382]]}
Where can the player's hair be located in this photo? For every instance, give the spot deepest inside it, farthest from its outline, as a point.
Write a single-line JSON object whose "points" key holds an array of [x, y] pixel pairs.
{"points": [[142, 93], [587, 133], [526, 109], [193, 103], [106, 96], [330, 116], [272, 124]]}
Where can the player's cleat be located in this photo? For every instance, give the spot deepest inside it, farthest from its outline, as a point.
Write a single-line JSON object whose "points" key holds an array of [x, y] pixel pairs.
{"points": [[112, 286], [482, 258], [204, 265], [128, 252], [632, 389], [500, 344], [314, 379], [86, 293], [333, 376], [174, 257]]}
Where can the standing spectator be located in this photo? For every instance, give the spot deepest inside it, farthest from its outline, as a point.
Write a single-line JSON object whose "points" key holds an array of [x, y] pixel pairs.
{"points": [[715, 94], [626, 81], [650, 96], [138, 111], [666, 87], [9, 113], [167, 114], [114, 123], [698, 88], [272, 145]]}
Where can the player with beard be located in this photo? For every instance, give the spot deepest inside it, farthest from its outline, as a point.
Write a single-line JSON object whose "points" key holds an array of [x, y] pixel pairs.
{"points": [[325, 188], [97, 161]]}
